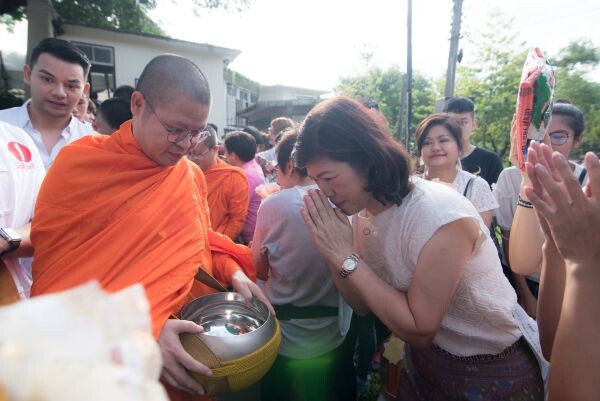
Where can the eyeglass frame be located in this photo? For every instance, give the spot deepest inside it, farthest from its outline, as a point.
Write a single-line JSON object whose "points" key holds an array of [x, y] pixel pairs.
{"points": [[563, 132], [196, 136]]}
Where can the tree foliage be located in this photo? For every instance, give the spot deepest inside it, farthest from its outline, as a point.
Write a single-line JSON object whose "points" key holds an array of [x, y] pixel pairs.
{"points": [[128, 15], [492, 81], [385, 87], [573, 62]]}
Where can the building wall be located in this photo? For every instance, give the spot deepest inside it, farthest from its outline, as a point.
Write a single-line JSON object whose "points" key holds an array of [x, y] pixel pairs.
{"points": [[280, 92], [133, 52]]}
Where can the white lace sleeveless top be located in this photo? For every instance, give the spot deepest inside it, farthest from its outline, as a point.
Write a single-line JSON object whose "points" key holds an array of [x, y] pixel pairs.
{"points": [[479, 319]]}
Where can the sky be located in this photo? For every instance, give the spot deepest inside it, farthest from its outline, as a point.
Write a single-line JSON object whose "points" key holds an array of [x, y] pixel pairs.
{"points": [[313, 43]]}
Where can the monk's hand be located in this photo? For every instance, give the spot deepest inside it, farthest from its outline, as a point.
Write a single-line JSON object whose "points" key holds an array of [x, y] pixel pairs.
{"points": [[329, 228], [248, 289], [176, 359]]}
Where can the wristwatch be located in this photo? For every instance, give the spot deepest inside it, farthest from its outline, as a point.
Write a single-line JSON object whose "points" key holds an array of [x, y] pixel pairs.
{"points": [[12, 237], [349, 265]]}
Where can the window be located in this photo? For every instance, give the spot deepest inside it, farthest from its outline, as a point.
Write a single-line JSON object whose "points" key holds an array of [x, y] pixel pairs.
{"points": [[230, 89], [102, 73], [243, 95], [99, 55]]}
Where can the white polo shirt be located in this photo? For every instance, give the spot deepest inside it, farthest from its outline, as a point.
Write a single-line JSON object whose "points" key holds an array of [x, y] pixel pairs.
{"points": [[19, 117], [21, 174]]}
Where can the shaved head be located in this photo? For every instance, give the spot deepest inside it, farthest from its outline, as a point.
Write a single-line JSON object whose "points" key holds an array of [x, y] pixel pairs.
{"points": [[168, 76]]}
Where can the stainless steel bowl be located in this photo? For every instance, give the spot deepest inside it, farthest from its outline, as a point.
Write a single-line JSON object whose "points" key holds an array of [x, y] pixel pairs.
{"points": [[247, 326]]}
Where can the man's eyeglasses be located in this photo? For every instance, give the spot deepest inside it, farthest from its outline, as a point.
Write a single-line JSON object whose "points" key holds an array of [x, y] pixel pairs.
{"points": [[175, 135], [559, 137]]}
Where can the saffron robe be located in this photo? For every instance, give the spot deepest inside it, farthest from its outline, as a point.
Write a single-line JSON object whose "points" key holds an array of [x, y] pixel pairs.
{"points": [[227, 198], [107, 212]]}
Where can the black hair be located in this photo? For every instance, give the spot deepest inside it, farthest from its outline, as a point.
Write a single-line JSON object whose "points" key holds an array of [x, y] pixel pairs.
{"points": [[342, 129], [459, 105], [124, 92], [63, 50], [242, 144], [572, 115], [438, 119], [252, 130], [284, 149], [115, 111]]}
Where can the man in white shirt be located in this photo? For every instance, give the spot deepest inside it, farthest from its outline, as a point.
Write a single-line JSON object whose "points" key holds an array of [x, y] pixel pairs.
{"points": [[21, 175], [57, 76]]}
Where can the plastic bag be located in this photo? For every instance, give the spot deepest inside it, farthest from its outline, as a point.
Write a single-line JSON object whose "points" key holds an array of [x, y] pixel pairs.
{"points": [[534, 103]]}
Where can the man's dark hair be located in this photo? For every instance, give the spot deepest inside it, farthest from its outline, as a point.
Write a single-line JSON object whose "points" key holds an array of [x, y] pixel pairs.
{"points": [[459, 105], [115, 111], [168, 76], [124, 92], [242, 144], [252, 130], [63, 50], [284, 149], [342, 129], [438, 119]]}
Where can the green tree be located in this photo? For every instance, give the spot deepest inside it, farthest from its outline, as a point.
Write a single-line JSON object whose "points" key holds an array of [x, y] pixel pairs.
{"points": [[385, 87], [572, 64], [129, 15], [493, 82]]}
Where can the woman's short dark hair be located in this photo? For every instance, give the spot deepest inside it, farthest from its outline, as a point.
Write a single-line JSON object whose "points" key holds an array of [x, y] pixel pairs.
{"points": [[284, 149], [572, 115], [342, 129], [242, 144], [433, 120]]}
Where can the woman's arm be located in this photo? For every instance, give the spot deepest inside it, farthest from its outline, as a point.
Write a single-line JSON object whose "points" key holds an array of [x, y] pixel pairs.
{"points": [[526, 239], [550, 297], [487, 217], [414, 316], [571, 218], [524, 294]]}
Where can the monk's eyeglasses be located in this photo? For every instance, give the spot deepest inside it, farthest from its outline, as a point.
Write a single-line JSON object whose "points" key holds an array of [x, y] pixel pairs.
{"points": [[175, 135]]}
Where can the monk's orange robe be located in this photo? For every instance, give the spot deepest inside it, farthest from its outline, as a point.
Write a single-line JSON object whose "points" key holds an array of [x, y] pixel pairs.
{"points": [[227, 198], [107, 212]]}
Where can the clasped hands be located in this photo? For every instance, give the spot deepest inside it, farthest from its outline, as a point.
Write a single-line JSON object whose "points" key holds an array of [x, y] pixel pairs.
{"points": [[329, 228], [569, 216]]}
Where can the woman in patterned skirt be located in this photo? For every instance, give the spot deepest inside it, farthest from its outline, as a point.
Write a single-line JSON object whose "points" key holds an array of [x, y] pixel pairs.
{"points": [[418, 255]]}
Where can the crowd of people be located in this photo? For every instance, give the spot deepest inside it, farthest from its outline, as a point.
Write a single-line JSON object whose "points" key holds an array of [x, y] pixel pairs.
{"points": [[329, 222]]}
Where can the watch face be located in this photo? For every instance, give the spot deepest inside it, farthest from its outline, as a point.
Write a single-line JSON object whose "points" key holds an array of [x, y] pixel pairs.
{"points": [[11, 235], [349, 264]]}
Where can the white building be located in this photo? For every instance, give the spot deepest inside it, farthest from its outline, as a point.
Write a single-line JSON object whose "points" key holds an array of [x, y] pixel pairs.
{"points": [[118, 58]]}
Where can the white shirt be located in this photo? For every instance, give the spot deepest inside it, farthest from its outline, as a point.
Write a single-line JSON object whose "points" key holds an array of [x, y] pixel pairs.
{"points": [[21, 174], [479, 319], [299, 275], [19, 117], [479, 192], [506, 191]]}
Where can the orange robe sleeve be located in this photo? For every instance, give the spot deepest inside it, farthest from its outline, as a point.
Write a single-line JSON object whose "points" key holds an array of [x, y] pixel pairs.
{"points": [[222, 257], [237, 205], [227, 198], [106, 212]]}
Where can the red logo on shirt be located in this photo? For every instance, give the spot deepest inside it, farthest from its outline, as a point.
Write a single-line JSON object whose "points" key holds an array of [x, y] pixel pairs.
{"points": [[20, 152]]}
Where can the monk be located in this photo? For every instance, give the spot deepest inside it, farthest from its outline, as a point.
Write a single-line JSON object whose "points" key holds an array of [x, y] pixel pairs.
{"points": [[130, 208], [227, 187]]}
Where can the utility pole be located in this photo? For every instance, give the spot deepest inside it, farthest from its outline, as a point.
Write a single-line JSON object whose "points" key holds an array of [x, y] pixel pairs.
{"points": [[455, 36], [408, 81]]}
